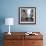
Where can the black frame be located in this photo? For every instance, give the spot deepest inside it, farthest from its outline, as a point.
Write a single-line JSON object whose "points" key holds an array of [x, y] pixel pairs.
{"points": [[20, 8]]}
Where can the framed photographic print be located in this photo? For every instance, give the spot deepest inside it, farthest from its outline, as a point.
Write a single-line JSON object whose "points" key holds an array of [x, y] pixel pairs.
{"points": [[27, 15]]}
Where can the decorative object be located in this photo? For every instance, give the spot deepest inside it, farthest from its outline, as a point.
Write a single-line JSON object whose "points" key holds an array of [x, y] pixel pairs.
{"points": [[9, 21], [27, 15], [31, 33]]}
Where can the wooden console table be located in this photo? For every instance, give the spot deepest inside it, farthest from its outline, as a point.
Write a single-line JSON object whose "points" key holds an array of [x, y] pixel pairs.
{"points": [[20, 39]]}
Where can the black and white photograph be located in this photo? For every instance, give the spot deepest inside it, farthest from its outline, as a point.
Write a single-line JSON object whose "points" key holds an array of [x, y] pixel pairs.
{"points": [[27, 15]]}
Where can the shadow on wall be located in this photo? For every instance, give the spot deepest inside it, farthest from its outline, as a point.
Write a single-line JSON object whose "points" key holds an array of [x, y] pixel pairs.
{"points": [[2, 21]]}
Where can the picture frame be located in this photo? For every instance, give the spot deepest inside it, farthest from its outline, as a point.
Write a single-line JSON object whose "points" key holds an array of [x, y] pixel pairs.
{"points": [[27, 15]]}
